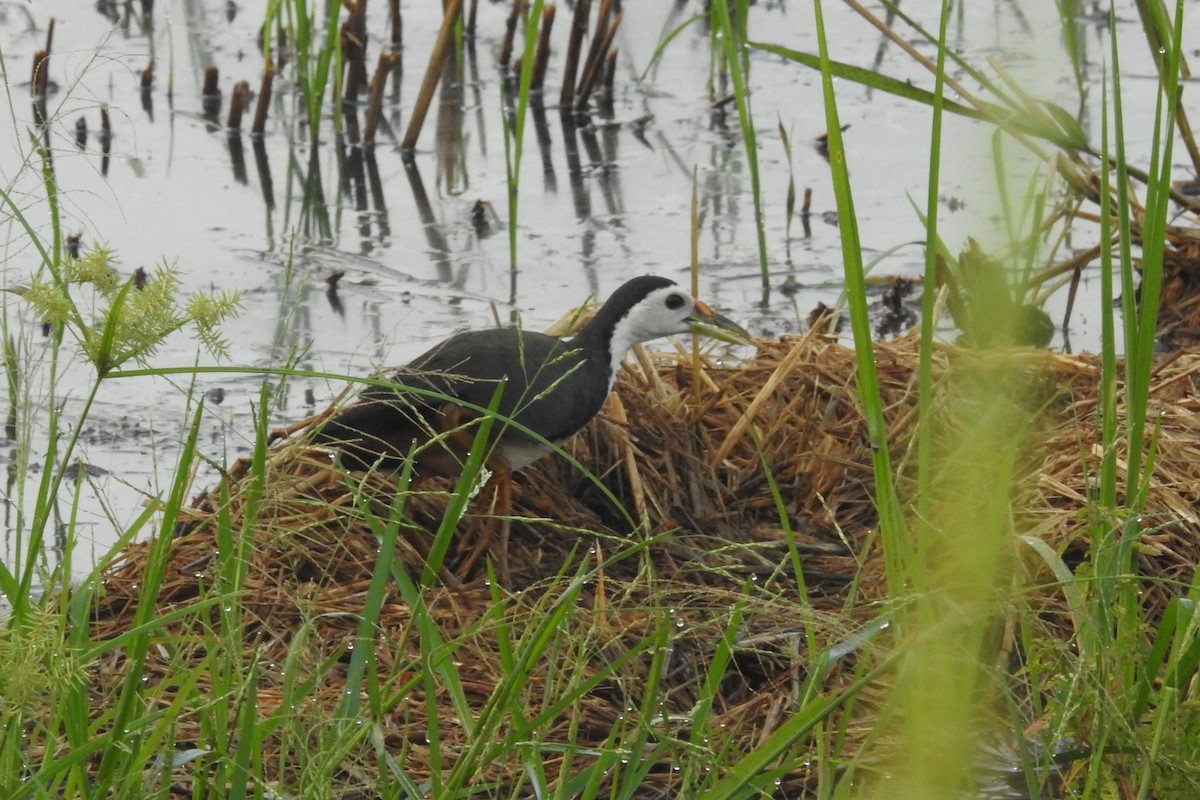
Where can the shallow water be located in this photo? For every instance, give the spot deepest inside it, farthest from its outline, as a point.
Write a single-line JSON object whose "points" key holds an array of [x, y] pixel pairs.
{"points": [[598, 204]]}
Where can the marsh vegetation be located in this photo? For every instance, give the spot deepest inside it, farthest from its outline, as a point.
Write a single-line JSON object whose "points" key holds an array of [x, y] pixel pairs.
{"points": [[902, 550]]}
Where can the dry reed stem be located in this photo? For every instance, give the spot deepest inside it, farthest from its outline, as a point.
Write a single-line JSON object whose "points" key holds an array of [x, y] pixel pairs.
{"points": [[543, 49], [237, 106], [387, 61], [432, 73], [595, 62], [510, 31], [263, 103], [579, 26]]}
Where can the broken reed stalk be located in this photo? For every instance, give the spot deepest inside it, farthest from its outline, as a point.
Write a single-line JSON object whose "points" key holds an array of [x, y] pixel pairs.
{"points": [[375, 104], [394, 23], [41, 63], [210, 99], [610, 74], [469, 29], [543, 49], [506, 47], [237, 105], [211, 81], [40, 77], [592, 70], [264, 100], [432, 73], [354, 51], [579, 20], [595, 51]]}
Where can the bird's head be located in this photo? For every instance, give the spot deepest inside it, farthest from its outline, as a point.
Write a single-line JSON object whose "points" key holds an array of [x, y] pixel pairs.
{"points": [[649, 307]]}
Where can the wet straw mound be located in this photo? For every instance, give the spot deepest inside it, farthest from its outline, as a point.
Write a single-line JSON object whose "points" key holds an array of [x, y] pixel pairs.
{"points": [[683, 451], [1179, 303]]}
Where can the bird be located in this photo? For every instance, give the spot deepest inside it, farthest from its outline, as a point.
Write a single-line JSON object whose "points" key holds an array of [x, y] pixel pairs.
{"points": [[540, 389]]}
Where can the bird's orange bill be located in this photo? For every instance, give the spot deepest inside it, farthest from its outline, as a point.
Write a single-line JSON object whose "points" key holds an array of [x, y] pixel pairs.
{"points": [[707, 322]]}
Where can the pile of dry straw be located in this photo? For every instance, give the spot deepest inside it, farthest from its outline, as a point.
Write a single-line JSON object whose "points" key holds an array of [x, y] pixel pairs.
{"points": [[683, 449]]}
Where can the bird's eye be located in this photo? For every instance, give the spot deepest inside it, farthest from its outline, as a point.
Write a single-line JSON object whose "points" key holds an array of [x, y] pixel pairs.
{"points": [[674, 301]]}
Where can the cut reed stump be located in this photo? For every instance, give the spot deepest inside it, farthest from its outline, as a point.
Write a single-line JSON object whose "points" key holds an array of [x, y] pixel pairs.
{"points": [[686, 467]]}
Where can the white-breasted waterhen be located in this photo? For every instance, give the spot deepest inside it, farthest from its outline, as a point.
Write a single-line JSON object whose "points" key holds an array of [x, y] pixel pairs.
{"points": [[551, 386]]}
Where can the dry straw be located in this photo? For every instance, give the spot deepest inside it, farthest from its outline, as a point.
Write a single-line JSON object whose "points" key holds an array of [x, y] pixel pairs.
{"points": [[688, 465]]}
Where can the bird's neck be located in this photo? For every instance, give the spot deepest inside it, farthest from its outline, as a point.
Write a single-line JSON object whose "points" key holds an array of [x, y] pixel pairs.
{"points": [[607, 343]]}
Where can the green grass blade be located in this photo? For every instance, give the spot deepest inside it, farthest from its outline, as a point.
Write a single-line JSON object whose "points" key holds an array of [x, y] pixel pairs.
{"points": [[733, 42], [988, 112], [748, 773], [892, 524], [514, 138], [364, 640], [139, 644], [928, 297]]}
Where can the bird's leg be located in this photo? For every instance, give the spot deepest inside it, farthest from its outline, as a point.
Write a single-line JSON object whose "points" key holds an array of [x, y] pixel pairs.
{"points": [[495, 499], [504, 510], [499, 485], [286, 432], [421, 547]]}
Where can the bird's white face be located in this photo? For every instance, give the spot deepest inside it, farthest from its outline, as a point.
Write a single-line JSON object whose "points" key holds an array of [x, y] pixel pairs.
{"points": [[663, 312], [667, 311]]}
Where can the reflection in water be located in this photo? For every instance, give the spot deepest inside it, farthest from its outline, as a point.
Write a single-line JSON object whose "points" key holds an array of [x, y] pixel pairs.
{"points": [[582, 199], [359, 173], [293, 322], [449, 134], [105, 139], [395, 97], [147, 97], [545, 146], [579, 194], [314, 221], [603, 168], [237, 156], [877, 63], [476, 94], [603, 159], [439, 247], [376, 188], [263, 167], [354, 184], [331, 293]]}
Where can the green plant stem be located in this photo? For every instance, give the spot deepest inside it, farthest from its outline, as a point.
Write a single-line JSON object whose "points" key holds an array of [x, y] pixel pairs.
{"points": [[929, 296], [514, 139], [893, 530], [733, 42]]}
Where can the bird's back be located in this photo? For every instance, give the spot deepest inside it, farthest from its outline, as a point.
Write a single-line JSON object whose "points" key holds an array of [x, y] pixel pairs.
{"points": [[549, 387]]}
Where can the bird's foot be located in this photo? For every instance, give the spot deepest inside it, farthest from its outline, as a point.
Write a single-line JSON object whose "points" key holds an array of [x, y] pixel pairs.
{"points": [[495, 529]]}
